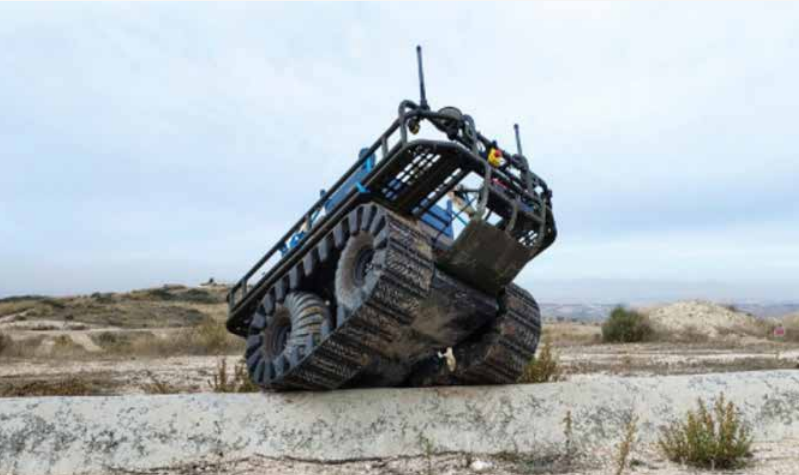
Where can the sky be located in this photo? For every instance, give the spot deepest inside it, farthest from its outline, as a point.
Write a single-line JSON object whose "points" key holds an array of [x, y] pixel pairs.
{"points": [[144, 144]]}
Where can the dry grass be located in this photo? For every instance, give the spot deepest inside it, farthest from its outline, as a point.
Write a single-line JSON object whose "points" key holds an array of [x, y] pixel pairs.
{"points": [[544, 368], [71, 386], [210, 337], [26, 303], [167, 306], [65, 347], [714, 438], [5, 343], [10, 348], [572, 333], [236, 382], [689, 335], [791, 325], [569, 451], [156, 386], [627, 445]]}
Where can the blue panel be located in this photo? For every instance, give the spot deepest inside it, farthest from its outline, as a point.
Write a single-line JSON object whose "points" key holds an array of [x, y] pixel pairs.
{"points": [[440, 219], [354, 181]]}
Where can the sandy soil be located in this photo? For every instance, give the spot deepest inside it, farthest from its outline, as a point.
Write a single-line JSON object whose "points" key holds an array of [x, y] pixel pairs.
{"points": [[119, 376], [128, 375], [651, 359], [45, 326]]}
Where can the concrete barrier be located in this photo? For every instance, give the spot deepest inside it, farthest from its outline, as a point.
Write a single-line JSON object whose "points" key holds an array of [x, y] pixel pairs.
{"points": [[96, 434]]}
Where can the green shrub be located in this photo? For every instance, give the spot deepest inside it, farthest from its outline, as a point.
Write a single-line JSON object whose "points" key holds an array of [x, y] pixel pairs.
{"points": [[626, 326], [714, 439], [544, 368]]}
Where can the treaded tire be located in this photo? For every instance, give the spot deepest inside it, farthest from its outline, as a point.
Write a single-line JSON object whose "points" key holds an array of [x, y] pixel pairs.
{"points": [[289, 329], [355, 277], [372, 315]]}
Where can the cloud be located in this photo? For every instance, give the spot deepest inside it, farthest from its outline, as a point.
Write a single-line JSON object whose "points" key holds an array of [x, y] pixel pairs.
{"points": [[175, 141]]}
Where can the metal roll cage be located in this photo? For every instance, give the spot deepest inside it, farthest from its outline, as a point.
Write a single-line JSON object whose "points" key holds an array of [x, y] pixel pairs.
{"points": [[512, 183]]}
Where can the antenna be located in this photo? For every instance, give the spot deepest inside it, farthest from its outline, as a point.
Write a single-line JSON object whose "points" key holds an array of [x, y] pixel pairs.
{"points": [[518, 139], [423, 100]]}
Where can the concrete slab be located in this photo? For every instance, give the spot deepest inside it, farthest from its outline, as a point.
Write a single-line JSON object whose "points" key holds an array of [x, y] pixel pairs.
{"points": [[99, 434]]}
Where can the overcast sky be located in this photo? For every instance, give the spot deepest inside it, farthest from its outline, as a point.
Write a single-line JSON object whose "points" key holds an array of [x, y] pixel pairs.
{"points": [[150, 143]]}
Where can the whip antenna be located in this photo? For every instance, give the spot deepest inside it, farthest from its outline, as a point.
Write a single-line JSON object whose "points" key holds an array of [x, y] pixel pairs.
{"points": [[518, 139], [423, 99]]}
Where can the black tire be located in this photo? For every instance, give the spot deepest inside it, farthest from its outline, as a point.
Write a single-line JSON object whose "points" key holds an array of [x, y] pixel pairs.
{"points": [[286, 331], [374, 311], [358, 270]]}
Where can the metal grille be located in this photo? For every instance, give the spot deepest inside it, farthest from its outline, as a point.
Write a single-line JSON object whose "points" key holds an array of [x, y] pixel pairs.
{"points": [[423, 160]]}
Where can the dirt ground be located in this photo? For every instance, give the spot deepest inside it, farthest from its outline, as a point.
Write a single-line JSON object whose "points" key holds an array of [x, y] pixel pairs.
{"points": [[90, 355], [779, 458], [148, 342], [110, 375]]}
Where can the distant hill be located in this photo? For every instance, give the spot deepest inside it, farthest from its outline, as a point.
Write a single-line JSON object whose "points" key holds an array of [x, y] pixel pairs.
{"points": [[768, 310], [166, 306], [177, 305], [575, 312], [597, 312]]}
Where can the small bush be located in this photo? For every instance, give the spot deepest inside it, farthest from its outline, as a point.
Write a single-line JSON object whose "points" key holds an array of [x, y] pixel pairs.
{"points": [[208, 338], [238, 382], [627, 445], [65, 347], [156, 386], [626, 326], [211, 337], [201, 296], [57, 304], [26, 348], [120, 343], [714, 439], [544, 368], [791, 326]]}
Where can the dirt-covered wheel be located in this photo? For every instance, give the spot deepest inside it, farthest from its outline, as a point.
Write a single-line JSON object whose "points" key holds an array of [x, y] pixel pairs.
{"points": [[292, 328], [495, 354]]}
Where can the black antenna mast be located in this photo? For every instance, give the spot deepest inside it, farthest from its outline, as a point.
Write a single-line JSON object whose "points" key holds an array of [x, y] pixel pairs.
{"points": [[518, 139], [423, 99]]}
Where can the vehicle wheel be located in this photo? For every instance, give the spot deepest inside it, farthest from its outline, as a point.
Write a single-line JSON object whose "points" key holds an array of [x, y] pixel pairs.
{"points": [[358, 270], [285, 331]]}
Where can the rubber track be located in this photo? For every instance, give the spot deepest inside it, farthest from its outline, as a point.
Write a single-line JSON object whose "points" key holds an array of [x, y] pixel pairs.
{"points": [[500, 354], [511, 343], [350, 340]]}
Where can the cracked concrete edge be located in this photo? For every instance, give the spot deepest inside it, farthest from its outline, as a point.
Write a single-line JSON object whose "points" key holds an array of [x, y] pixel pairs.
{"points": [[98, 434]]}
